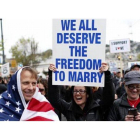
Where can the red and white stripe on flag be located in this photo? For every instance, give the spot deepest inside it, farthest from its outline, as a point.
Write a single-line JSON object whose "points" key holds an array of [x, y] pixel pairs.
{"points": [[39, 109]]}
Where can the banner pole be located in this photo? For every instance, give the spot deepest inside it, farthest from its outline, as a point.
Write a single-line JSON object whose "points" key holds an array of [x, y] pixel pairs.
{"points": [[121, 63]]}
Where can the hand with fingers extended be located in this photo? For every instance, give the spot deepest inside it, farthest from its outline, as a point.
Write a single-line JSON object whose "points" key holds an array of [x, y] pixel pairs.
{"points": [[104, 67], [52, 68]]}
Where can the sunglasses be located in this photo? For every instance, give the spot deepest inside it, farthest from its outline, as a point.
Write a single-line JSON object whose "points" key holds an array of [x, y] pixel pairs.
{"points": [[41, 89]]}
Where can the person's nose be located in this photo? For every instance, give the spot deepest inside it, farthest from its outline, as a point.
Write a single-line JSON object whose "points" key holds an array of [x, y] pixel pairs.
{"points": [[135, 90], [30, 87], [77, 93]]}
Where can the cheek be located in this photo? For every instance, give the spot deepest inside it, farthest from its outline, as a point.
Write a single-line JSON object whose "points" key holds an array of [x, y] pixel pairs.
{"points": [[23, 87], [34, 87]]}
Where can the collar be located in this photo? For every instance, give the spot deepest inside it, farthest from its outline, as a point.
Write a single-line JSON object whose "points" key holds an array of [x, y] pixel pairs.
{"points": [[124, 101]]}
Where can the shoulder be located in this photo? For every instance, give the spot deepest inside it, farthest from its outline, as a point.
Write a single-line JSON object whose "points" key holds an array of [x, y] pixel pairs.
{"points": [[118, 101]]}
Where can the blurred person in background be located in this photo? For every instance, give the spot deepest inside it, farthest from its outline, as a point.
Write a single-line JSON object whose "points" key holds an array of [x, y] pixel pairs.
{"points": [[42, 84], [135, 67], [117, 79], [120, 89], [2, 86]]}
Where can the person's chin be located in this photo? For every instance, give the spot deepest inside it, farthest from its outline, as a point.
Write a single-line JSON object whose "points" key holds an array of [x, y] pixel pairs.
{"points": [[28, 97], [134, 96]]}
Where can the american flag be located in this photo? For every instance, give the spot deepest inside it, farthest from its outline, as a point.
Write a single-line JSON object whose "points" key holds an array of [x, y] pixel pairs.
{"points": [[14, 108]]}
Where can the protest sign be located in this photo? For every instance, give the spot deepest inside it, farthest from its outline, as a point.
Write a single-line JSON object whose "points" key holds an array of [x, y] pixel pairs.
{"points": [[5, 70], [78, 51], [117, 46]]}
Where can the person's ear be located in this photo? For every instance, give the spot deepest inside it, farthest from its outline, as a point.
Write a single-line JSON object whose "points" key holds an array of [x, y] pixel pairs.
{"points": [[87, 95]]}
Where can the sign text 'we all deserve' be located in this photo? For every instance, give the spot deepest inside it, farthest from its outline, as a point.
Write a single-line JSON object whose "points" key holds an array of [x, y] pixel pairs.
{"points": [[78, 51]]}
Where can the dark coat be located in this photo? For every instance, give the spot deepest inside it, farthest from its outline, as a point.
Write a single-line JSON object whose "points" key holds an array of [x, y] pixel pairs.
{"points": [[93, 110], [120, 109], [120, 90], [2, 88]]}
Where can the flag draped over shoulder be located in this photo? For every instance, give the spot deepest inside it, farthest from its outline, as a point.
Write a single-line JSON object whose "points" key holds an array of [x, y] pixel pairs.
{"points": [[39, 109], [14, 108]]}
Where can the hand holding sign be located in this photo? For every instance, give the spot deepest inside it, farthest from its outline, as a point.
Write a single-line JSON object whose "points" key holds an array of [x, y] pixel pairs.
{"points": [[52, 67], [104, 67]]}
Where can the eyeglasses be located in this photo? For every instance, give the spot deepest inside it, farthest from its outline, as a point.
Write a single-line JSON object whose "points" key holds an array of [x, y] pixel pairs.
{"points": [[41, 89], [131, 87], [80, 91]]}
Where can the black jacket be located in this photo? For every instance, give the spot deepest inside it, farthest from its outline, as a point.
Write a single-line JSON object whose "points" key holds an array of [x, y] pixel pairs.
{"points": [[120, 109], [93, 110], [2, 88]]}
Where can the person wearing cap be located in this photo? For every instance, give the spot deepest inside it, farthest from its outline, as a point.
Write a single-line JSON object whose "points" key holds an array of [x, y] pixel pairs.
{"points": [[131, 99], [135, 67]]}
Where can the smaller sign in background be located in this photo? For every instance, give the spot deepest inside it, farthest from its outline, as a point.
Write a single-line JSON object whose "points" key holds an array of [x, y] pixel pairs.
{"points": [[5, 71], [117, 46]]}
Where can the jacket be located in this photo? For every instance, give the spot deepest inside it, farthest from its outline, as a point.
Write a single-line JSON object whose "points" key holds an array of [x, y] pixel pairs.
{"points": [[120, 109], [94, 110], [2, 88]]}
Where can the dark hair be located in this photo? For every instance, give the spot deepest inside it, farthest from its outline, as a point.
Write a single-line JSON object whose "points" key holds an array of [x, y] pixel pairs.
{"points": [[1, 78], [44, 82], [88, 91]]}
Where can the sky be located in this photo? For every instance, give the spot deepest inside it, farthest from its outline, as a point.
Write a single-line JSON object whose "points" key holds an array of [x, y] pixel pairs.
{"points": [[33, 19]]}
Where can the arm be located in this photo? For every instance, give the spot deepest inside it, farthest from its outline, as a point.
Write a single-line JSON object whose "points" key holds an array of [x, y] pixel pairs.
{"points": [[108, 94], [54, 96]]}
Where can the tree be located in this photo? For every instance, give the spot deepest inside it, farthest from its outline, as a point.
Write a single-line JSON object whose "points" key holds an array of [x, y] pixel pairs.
{"points": [[25, 52], [46, 54], [138, 57], [1, 48]]}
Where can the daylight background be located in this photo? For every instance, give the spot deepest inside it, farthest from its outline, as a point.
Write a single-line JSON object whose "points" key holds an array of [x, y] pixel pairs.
{"points": [[33, 18]]}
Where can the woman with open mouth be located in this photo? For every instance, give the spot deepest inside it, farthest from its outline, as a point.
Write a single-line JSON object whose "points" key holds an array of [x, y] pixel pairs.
{"points": [[83, 107]]}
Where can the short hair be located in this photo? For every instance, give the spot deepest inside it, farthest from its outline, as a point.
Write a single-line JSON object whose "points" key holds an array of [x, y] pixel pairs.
{"points": [[31, 70]]}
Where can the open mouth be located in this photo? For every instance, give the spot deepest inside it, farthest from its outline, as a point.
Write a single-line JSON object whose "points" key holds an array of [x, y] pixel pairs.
{"points": [[78, 98]]}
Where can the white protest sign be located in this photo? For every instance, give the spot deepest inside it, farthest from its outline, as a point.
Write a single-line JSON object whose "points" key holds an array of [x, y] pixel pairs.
{"points": [[117, 46], [133, 63], [5, 70], [78, 51]]}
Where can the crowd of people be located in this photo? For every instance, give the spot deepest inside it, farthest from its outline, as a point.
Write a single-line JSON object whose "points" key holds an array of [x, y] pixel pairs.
{"points": [[118, 100]]}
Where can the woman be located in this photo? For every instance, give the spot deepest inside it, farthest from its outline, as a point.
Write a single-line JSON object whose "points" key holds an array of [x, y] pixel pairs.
{"points": [[82, 107], [43, 86]]}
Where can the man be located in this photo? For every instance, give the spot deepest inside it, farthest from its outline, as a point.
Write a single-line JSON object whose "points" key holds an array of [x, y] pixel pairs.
{"points": [[131, 99], [22, 101], [2, 86], [135, 67], [117, 79]]}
